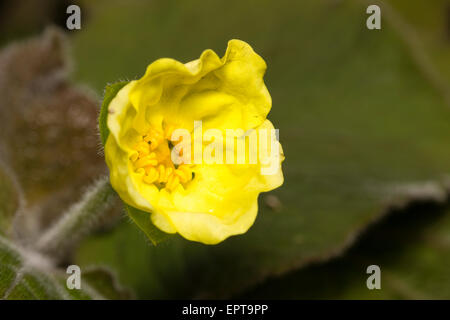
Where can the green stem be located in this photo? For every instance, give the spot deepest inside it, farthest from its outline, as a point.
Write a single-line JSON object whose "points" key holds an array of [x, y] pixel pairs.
{"points": [[78, 219]]}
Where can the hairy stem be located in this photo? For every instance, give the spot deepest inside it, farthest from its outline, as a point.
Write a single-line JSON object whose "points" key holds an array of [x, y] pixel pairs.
{"points": [[78, 219]]}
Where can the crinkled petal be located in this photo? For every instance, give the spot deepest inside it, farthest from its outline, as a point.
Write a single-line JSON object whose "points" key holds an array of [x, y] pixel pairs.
{"points": [[223, 93]]}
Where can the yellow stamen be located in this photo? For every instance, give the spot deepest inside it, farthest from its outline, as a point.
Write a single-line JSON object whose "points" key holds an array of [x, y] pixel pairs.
{"points": [[152, 160], [149, 179], [168, 172], [173, 182], [162, 173], [143, 148], [168, 131], [183, 175], [152, 175], [134, 157], [145, 161], [146, 138]]}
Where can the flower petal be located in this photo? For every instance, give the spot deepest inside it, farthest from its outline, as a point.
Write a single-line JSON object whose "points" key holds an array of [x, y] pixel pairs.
{"points": [[223, 93]]}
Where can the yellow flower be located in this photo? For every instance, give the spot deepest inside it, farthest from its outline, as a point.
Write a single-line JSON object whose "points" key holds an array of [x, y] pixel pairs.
{"points": [[205, 202]]}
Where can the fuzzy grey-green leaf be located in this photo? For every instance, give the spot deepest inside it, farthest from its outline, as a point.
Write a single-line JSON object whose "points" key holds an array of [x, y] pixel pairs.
{"points": [[9, 199], [28, 275]]}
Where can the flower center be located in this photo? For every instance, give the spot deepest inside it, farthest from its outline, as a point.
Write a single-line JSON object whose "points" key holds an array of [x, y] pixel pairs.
{"points": [[153, 160]]}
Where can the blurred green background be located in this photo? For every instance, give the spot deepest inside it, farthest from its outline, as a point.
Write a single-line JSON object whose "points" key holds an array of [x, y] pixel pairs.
{"points": [[364, 119]]}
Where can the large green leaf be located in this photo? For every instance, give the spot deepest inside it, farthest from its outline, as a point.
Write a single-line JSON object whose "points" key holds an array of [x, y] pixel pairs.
{"points": [[425, 27], [411, 247], [361, 128]]}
